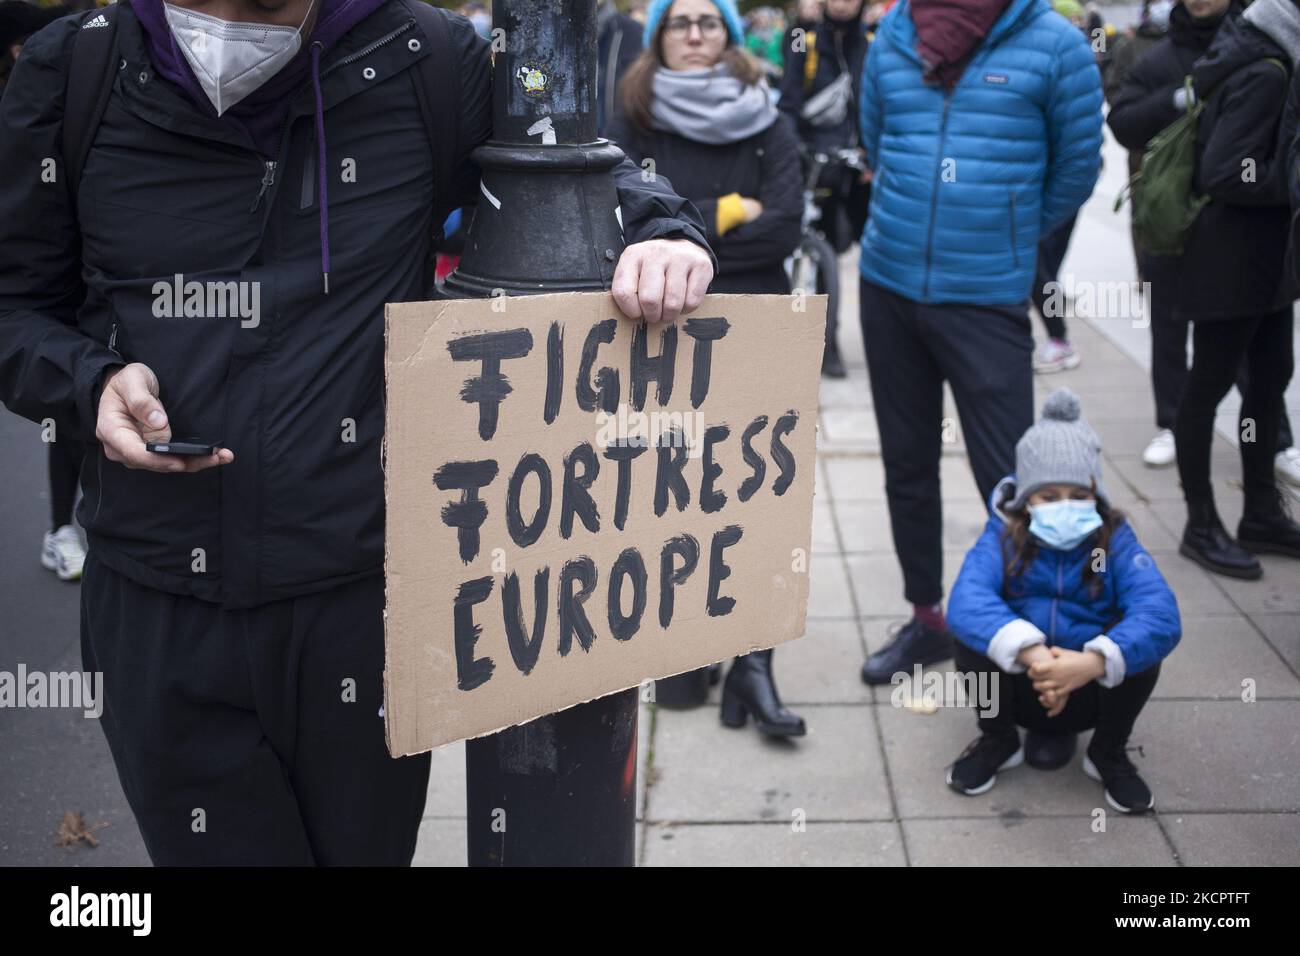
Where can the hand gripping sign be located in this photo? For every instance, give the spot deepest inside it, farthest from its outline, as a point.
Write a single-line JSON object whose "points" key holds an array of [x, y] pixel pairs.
{"points": [[578, 502]]}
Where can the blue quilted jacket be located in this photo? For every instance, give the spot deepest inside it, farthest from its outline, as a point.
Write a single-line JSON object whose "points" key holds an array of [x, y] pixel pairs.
{"points": [[965, 182], [1135, 607]]}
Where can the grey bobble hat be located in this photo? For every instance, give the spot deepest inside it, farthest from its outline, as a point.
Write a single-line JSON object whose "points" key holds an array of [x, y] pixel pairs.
{"points": [[1060, 449]]}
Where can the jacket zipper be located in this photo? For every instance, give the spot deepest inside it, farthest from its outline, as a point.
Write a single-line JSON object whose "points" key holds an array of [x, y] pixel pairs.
{"points": [[367, 50], [1060, 569], [268, 175], [934, 196], [1011, 213], [268, 180]]}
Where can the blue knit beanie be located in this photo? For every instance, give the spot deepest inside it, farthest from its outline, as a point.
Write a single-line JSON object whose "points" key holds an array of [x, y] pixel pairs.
{"points": [[730, 15]]}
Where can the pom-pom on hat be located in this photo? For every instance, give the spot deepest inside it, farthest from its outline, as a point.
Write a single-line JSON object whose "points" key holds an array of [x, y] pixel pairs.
{"points": [[655, 11], [1061, 448]]}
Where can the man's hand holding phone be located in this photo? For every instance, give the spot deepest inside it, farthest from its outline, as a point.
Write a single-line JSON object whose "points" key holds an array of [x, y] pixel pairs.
{"points": [[130, 414]]}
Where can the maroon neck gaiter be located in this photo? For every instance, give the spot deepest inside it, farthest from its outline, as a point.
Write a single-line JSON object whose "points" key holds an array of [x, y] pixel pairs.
{"points": [[949, 31]]}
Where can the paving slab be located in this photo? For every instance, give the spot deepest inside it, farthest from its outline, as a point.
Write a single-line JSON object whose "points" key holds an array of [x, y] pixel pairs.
{"points": [[775, 844], [706, 772], [1234, 839], [1037, 842]]}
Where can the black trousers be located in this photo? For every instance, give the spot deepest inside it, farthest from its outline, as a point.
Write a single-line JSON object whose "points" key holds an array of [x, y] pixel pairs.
{"points": [[1264, 344], [65, 469], [1051, 253], [985, 353], [252, 737], [1169, 348], [1109, 712]]}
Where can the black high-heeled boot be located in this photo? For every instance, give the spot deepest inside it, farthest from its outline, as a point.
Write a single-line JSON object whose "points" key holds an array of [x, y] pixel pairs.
{"points": [[750, 689]]}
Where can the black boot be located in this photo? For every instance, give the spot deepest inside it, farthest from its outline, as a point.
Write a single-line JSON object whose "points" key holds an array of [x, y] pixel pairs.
{"points": [[749, 689], [1266, 526], [683, 691], [914, 644], [832, 364], [1208, 543]]}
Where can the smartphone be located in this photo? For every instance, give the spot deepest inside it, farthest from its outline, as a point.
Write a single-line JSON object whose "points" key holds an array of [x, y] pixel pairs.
{"points": [[183, 446]]}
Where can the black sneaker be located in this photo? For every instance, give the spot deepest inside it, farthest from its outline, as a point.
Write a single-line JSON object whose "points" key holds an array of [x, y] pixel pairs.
{"points": [[913, 644], [1125, 790], [1049, 751], [976, 770]]}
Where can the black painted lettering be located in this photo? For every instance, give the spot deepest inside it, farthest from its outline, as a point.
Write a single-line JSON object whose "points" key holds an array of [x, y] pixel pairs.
{"points": [[490, 387], [628, 564], [753, 459], [780, 454], [687, 548], [716, 605], [468, 514], [471, 672], [525, 534], [705, 332], [573, 616]]}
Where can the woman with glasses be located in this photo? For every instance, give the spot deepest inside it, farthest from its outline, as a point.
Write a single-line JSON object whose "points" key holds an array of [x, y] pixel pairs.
{"points": [[694, 108]]}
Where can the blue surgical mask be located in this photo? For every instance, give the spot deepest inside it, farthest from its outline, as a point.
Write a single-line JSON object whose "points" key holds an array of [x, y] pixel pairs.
{"points": [[1064, 525]]}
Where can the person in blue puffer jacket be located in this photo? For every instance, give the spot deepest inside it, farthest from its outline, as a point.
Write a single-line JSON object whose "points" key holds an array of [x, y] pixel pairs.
{"points": [[981, 122], [1062, 615]]}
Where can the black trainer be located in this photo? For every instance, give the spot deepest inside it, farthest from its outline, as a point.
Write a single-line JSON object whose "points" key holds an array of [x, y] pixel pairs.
{"points": [[1049, 751], [976, 770], [1125, 790], [913, 644]]}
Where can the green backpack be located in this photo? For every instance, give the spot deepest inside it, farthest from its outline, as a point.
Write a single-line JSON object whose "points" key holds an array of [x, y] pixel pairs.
{"points": [[1164, 206]]}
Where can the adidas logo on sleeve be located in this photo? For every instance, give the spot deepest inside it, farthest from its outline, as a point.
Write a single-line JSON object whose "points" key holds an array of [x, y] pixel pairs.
{"points": [[98, 20]]}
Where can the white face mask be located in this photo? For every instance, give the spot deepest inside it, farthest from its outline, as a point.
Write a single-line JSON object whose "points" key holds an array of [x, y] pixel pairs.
{"points": [[232, 59]]}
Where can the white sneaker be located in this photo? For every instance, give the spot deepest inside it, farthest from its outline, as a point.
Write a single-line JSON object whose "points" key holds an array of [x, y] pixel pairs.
{"points": [[1056, 355], [1161, 453], [1287, 466], [63, 553]]}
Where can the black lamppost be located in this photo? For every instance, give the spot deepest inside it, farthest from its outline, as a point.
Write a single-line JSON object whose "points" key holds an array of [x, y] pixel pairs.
{"points": [[560, 790]]}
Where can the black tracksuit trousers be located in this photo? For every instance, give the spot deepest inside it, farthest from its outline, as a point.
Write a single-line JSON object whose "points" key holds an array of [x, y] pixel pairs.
{"points": [[984, 352], [252, 736], [1110, 712]]}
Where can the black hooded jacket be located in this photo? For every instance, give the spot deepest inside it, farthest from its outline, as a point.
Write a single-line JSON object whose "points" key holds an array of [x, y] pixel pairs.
{"points": [[1234, 262], [1144, 104], [298, 392], [838, 46]]}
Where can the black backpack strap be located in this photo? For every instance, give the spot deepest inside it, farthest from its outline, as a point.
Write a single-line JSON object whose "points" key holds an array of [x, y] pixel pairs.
{"points": [[90, 81], [437, 75]]}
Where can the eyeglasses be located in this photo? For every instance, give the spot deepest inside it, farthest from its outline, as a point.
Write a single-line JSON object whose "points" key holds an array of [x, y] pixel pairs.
{"points": [[710, 26]]}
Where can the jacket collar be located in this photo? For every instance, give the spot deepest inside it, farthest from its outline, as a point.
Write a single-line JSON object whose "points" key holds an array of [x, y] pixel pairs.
{"points": [[366, 55], [898, 28]]}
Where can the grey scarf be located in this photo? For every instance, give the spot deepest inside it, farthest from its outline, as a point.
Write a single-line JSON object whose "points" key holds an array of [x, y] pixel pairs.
{"points": [[1279, 20], [710, 106]]}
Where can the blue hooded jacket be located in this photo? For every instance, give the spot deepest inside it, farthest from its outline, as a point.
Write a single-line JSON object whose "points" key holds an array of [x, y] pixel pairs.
{"points": [[1135, 609], [966, 182]]}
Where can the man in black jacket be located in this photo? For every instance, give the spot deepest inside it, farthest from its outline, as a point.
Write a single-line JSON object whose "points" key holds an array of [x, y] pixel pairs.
{"points": [[1234, 284], [234, 601], [834, 48], [1147, 101]]}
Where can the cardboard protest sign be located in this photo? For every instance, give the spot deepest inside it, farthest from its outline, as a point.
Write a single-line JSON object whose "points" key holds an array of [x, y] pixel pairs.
{"points": [[578, 502]]}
